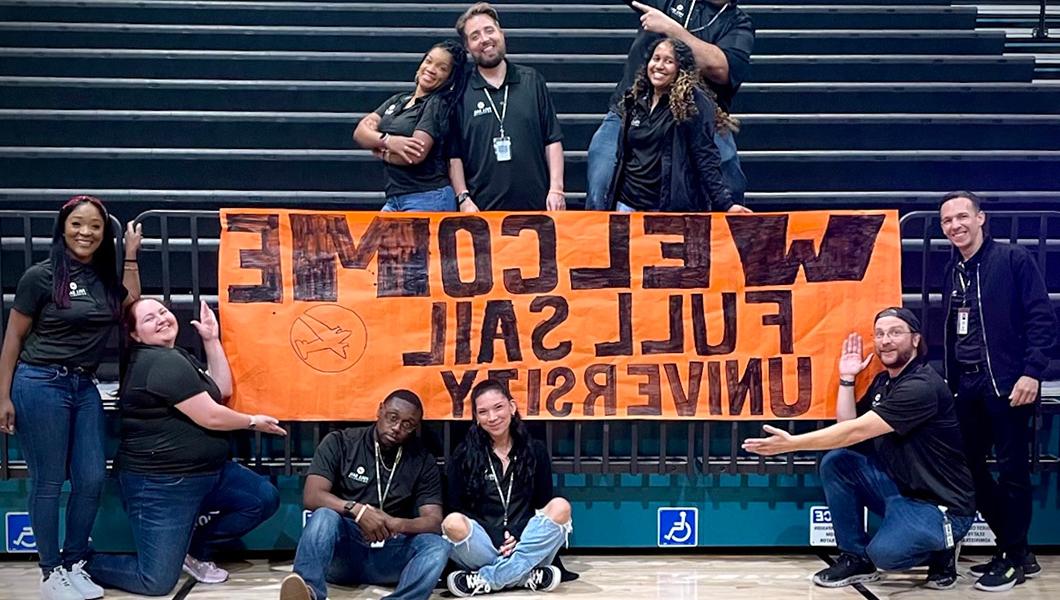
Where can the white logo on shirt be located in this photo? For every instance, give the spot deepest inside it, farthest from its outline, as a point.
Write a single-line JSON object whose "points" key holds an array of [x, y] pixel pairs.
{"points": [[76, 292], [359, 475], [634, 123], [876, 401], [678, 10], [482, 109], [390, 109]]}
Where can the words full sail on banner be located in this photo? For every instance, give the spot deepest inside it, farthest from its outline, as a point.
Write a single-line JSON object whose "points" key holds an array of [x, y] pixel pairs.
{"points": [[584, 314]]}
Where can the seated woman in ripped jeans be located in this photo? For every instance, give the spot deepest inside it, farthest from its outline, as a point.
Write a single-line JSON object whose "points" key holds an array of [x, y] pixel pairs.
{"points": [[504, 524], [408, 132]]}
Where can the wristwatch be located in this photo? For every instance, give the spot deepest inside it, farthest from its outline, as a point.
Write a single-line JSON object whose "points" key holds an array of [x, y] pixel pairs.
{"points": [[348, 507], [462, 196]]}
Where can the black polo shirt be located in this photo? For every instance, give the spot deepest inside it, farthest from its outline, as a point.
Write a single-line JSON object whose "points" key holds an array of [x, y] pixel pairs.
{"points": [[74, 336], [967, 348], [155, 436], [645, 142], [347, 459], [424, 115], [529, 121], [487, 509], [732, 31], [924, 454]]}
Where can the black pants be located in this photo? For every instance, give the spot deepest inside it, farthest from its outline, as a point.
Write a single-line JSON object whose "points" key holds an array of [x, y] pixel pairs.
{"points": [[986, 421]]}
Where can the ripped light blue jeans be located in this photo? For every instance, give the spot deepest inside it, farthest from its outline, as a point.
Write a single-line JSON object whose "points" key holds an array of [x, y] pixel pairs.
{"points": [[538, 547]]}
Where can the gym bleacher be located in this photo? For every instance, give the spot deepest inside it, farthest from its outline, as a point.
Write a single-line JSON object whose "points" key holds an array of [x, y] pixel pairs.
{"points": [[851, 103]]}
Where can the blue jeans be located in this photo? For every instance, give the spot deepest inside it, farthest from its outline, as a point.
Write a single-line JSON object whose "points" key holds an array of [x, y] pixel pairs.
{"points": [[59, 421], [174, 515], [602, 160], [912, 530], [541, 541], [332, 550], [440, 200]]}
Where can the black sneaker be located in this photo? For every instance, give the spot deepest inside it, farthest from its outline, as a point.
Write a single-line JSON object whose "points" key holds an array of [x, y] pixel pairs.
{"points": [[1031, 568], [464, 584], [543, 579], [847, 570], [1002, 576], [942, 570]]}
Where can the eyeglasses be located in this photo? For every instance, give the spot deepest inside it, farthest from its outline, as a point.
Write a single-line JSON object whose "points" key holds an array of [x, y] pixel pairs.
{"points": [[393, 419], [891, 334]]}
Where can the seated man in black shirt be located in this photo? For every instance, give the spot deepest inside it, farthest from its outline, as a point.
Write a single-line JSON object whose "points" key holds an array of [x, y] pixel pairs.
{"points": [[376, 497], [916, 478]]}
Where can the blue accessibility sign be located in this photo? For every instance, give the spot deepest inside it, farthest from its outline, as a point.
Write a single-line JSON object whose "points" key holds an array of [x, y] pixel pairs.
{"points": [[19, 534], [678, 526]]}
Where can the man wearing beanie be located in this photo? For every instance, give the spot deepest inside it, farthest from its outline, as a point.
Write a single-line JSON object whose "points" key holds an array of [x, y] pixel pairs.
{"points": [[915, 477], [999, 331]]}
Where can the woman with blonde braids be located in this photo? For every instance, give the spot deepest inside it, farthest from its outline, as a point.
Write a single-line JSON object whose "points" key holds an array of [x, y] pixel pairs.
{"points": [[667, 159]]}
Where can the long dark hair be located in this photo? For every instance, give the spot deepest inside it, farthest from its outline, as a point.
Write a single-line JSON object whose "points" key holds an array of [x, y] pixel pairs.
{"points": [[682, 103], [479, 446], [103, 260], [451, 92]]}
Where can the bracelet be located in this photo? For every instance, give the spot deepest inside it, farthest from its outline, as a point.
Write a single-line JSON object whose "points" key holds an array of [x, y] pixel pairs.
{"points": [[130, 260], [560, 192], [360, 513], [846, 383], [385, 138]]}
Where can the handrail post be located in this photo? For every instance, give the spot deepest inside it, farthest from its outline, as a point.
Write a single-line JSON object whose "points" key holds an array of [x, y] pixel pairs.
{"points": [[1041, 32]]}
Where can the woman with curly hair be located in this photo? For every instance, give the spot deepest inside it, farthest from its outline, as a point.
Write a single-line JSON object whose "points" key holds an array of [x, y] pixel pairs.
{"points": [[504, 524], [667, 159], [407, 133]]}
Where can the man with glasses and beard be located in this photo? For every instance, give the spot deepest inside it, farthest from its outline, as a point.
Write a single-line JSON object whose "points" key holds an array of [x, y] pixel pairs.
{"points": [[509, 151], [912, 473], [999, 332]]}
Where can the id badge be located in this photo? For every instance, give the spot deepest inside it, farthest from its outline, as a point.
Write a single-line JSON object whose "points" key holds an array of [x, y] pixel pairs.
{"points": [[947, 530], [502, 148], [963, 315]]}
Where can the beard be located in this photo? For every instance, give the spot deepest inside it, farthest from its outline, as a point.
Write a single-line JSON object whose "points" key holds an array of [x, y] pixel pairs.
{"points": [[489, 63], [901, 358]]}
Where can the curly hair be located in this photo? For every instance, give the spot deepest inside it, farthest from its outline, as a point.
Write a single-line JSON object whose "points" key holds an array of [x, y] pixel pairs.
{"points": [[682, 103], [479, 446]]}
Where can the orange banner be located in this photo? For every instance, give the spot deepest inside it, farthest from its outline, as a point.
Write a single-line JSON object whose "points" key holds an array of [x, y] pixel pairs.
{"points": [[586, 315]]}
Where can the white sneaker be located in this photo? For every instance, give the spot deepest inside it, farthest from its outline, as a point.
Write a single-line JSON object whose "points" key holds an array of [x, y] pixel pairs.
{"points": [[58, 587], [83, 583], [204, 571]]}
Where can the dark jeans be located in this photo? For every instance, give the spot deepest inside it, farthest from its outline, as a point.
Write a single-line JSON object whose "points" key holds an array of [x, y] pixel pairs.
{"points": [[59, 422], [164, 511], [912, 530], [986, 421], [332, 549]]}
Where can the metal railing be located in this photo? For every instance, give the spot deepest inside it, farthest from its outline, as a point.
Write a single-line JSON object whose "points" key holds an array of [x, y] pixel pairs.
{"points": [[178, 263]]}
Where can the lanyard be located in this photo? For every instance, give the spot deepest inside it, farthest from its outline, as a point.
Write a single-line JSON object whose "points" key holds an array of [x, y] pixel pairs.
{"points": [[709, 23], [964, 279], [505, 500], [500, 117], [380, 492]]}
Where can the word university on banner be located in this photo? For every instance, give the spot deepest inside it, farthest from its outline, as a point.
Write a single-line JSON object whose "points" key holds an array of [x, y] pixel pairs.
{"points": [[584, 315]]}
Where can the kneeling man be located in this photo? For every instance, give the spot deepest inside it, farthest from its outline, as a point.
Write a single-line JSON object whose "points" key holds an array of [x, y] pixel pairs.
{"points": [[914, 474], [376, 497]]}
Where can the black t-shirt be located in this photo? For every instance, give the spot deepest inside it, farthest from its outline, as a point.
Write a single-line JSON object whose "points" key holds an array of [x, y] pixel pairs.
{"points": [[488, 510], [347, 459], [424, 115], [155, 436], [731, 31], [530, 123], [968, 348], [645, 141], [74, 336], [924, 454]]}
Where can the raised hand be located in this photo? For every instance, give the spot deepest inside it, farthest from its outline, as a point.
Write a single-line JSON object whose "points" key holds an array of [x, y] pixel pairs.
{"points": [[851, 361], [134, 235], [207, 325], [655, 21]]}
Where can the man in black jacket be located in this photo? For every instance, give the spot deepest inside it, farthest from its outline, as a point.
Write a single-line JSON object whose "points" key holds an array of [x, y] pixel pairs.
{"points": [[999, 330]]}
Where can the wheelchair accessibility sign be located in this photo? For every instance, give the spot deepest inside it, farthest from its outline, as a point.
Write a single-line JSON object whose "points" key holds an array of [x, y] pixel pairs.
{"points": [[678, 526], [19, 534]]}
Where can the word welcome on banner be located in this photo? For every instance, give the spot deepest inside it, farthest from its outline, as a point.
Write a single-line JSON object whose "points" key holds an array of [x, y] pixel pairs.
{"points": [[583, 314]]}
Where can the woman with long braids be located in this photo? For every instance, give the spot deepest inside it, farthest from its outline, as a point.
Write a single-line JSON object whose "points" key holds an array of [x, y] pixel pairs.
{"points": [[667, 158], [504, 524], [65, 311], [407, 132]]}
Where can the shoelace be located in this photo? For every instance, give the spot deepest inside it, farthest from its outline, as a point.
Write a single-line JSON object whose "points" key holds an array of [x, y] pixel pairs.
{"points": [[477, 584], [79, 571], [536, 575], [61, 574]]}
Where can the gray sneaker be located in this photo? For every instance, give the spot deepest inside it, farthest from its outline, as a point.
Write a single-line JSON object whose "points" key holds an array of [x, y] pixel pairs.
{"points": [[57, 586], [83, 583]]}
